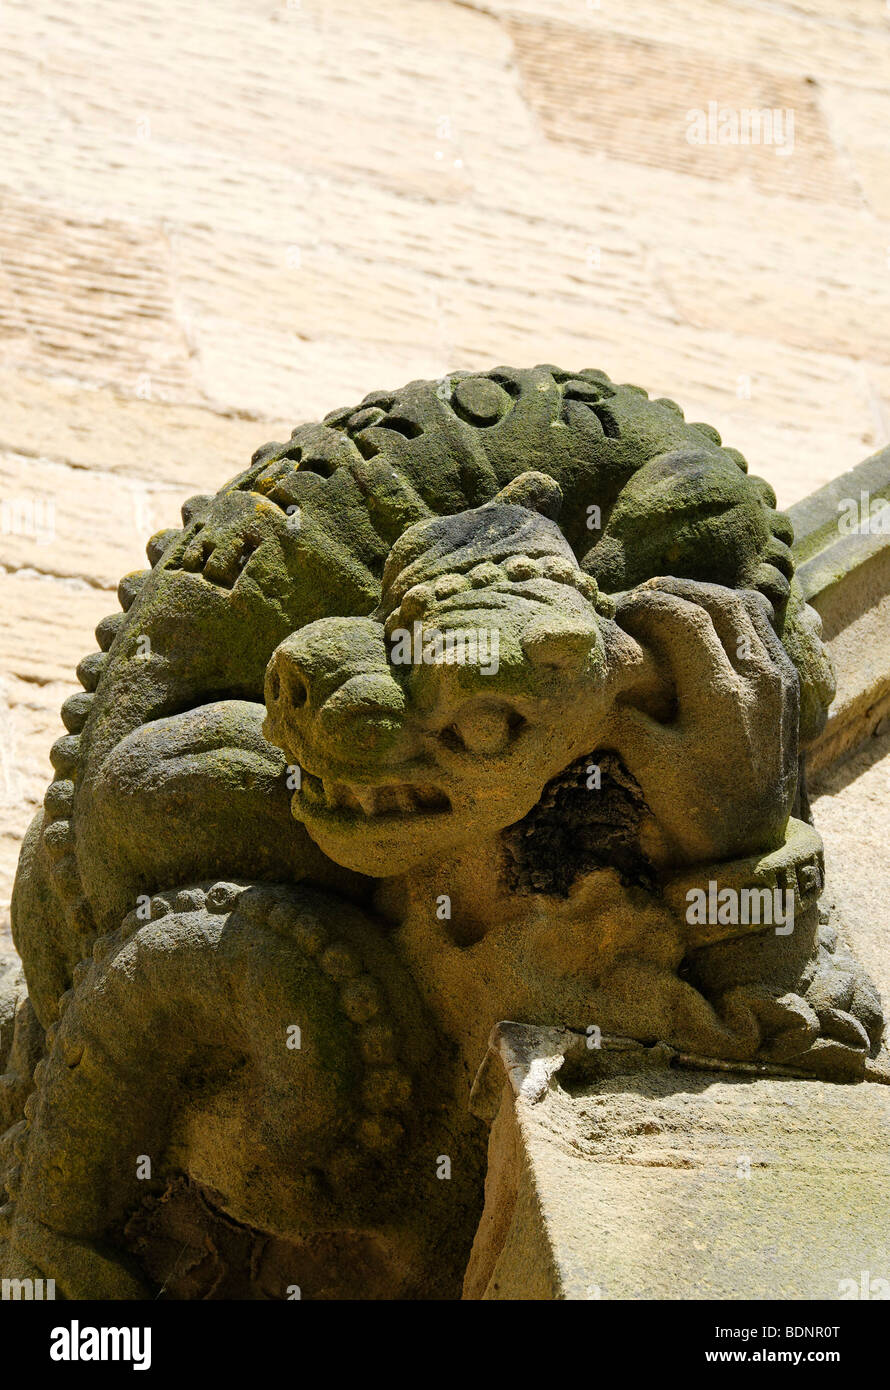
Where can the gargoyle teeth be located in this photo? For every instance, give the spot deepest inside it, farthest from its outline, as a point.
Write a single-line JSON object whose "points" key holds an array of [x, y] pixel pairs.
{"points": [[348, 797], [366, 798], [390, 799], [403, 799], [428, 798], [339, 794], [381, 799]]}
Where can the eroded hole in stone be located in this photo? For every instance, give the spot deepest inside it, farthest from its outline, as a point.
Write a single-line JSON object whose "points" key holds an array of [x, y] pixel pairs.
{"points": [[576, 828]]}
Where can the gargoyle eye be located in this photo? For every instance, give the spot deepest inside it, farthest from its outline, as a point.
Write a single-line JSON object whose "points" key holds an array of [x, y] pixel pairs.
{"points": [[482, 729]]}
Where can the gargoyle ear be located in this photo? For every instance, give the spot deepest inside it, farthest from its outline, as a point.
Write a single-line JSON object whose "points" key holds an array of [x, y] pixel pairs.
{"points": [[537, 492], [561, 643]]}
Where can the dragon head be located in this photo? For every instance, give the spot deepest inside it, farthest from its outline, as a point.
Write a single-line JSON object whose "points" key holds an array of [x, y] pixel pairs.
{"points": [[438, 720]]}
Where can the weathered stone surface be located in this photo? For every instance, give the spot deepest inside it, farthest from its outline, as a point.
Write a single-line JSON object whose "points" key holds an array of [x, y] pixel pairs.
{"points": [[859, 117], [277, 807], [49, 519], [114, 321], [141, 152], [576, 1186], [99, 430], [663, 1181], [602, 73], [842, 544], [809, 41], [229, 282], [850, 801]]}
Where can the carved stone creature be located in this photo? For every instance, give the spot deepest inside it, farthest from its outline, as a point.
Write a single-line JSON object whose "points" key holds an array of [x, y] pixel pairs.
{"points": [[437, 715]]}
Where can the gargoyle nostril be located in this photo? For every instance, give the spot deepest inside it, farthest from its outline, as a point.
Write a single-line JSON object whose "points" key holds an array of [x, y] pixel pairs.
{"points": [[288, 687]]}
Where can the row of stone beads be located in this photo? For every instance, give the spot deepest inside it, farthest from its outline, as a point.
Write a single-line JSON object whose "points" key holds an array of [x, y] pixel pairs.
{"points": [[515, 570], [58, 803], [387, 1087], [19, 1144]]}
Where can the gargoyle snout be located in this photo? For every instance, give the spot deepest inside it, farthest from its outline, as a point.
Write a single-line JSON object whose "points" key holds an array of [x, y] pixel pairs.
{"points": [[330, 693]]}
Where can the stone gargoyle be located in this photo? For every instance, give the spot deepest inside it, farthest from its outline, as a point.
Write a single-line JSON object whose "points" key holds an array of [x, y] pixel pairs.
{"points": [[482, 700]]}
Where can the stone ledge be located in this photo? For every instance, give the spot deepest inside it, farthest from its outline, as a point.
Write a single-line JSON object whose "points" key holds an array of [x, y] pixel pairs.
{"points": [[846, 578], [654, 1182]]}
